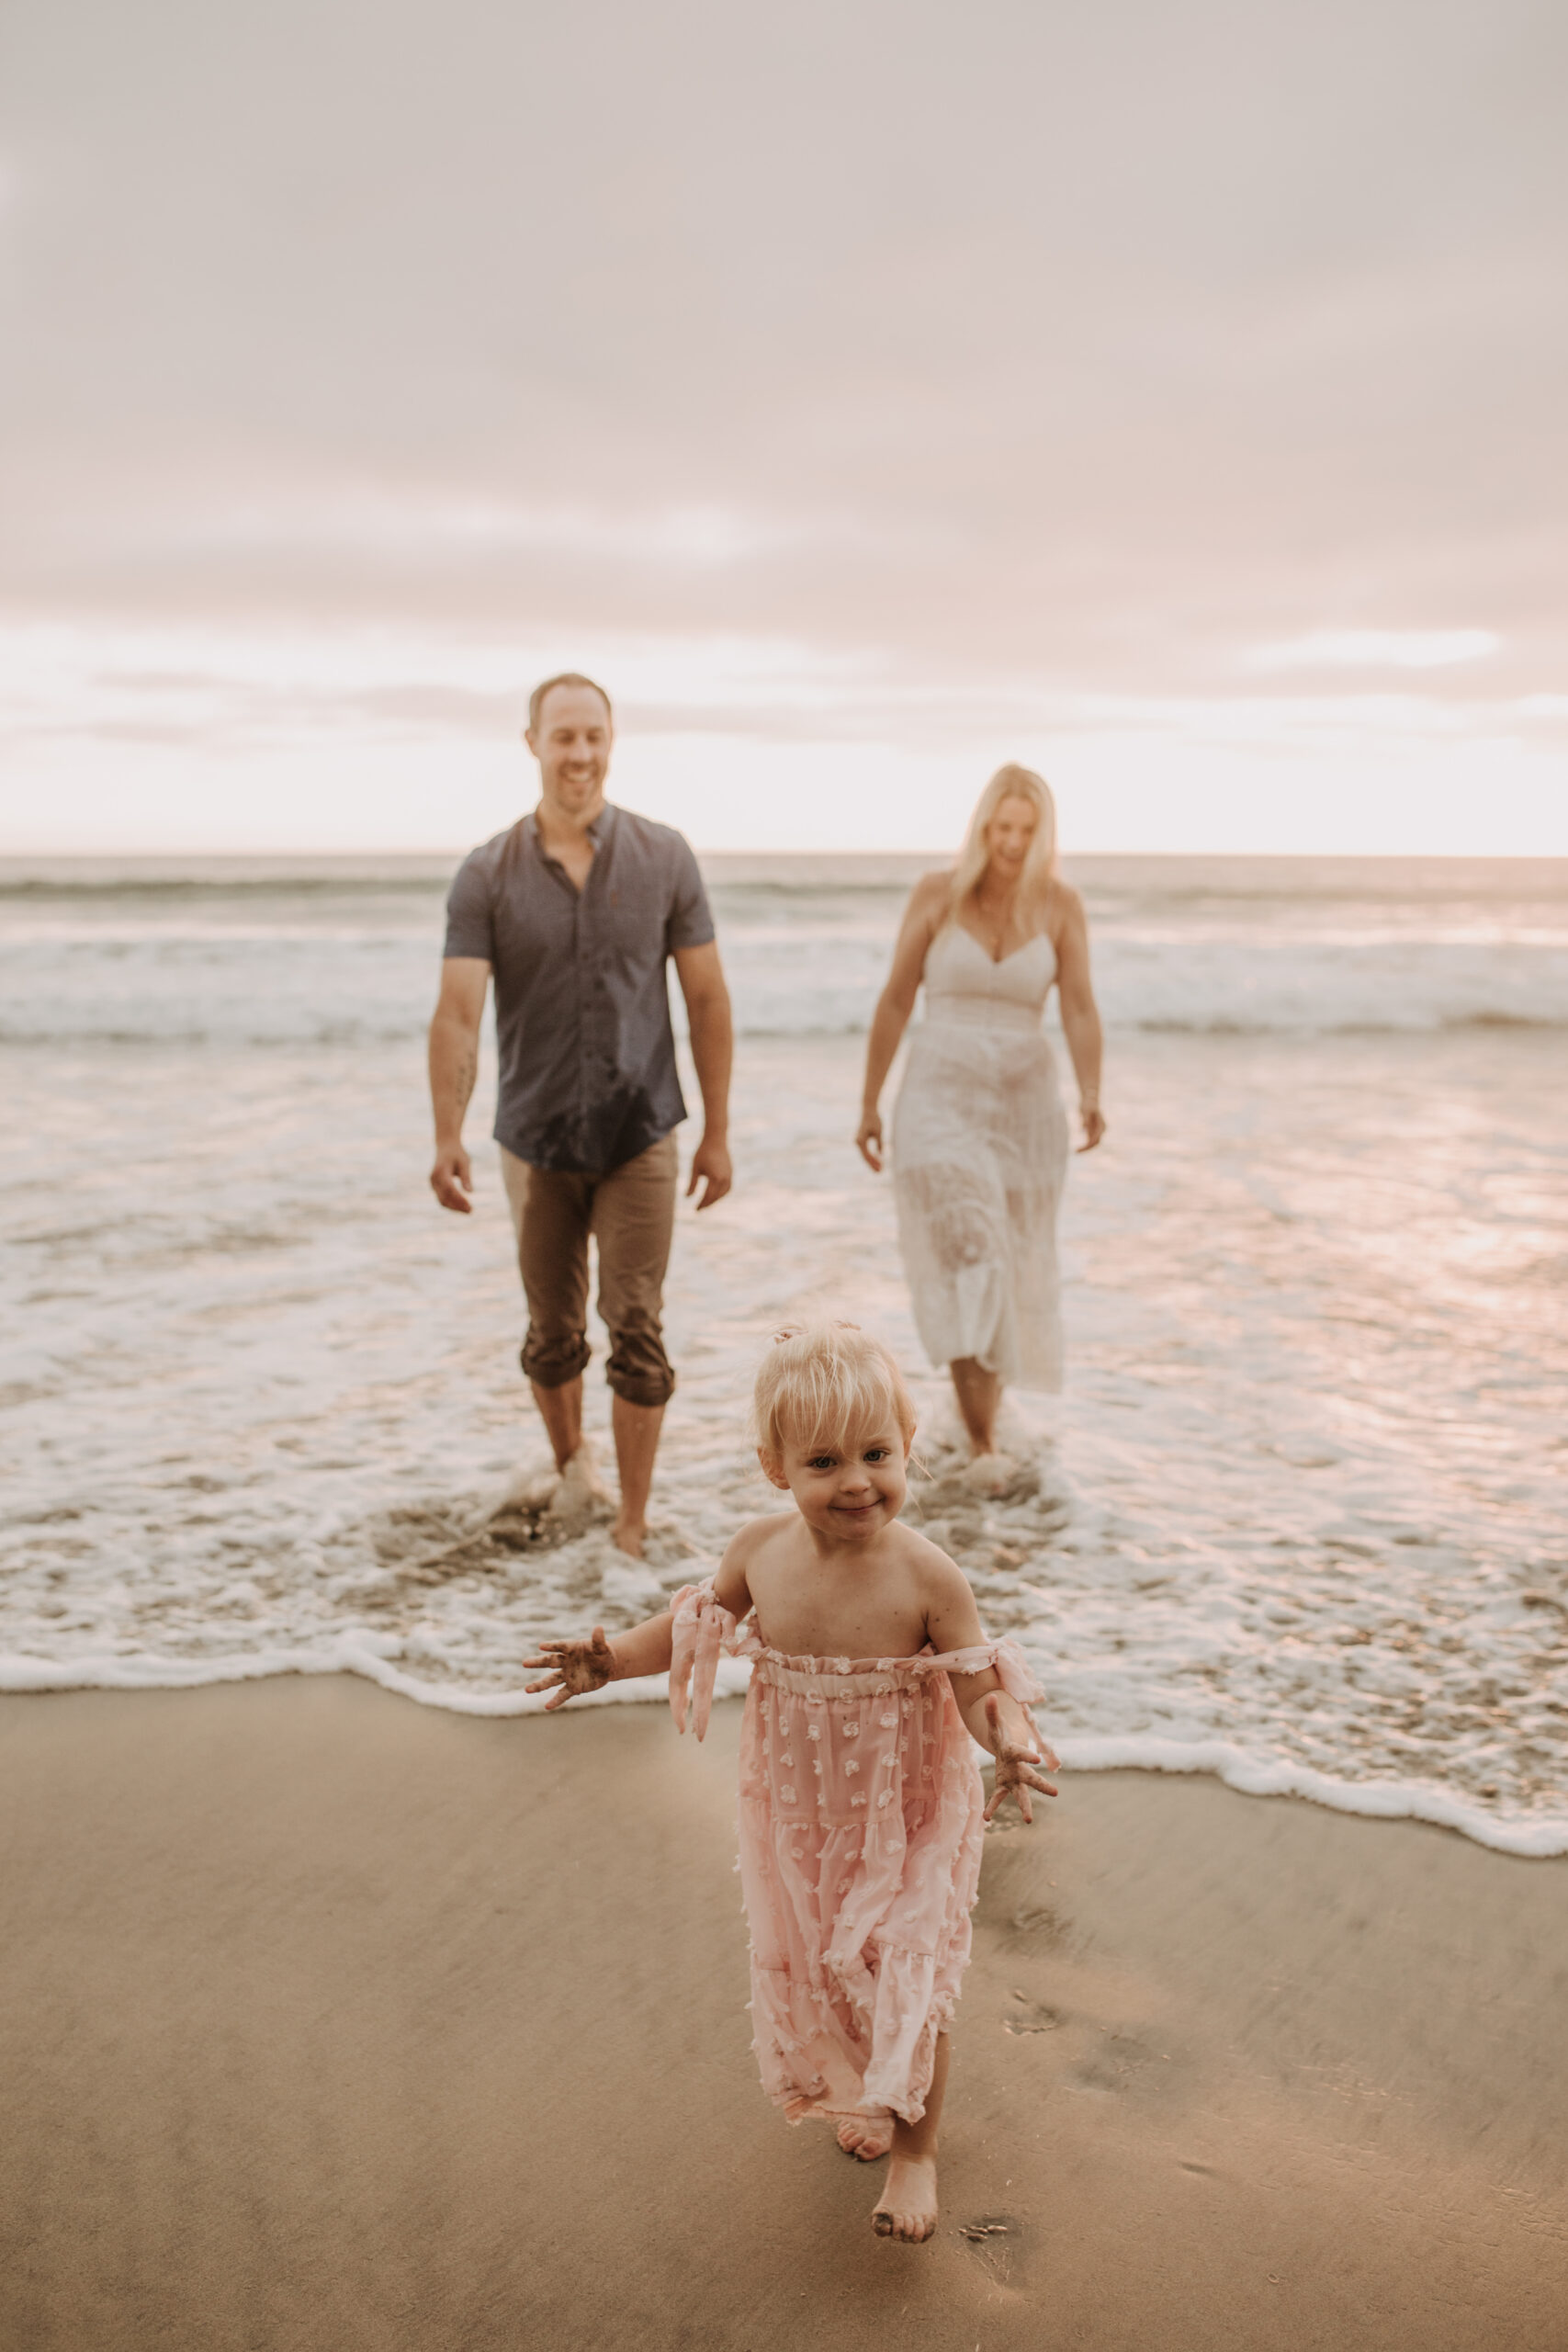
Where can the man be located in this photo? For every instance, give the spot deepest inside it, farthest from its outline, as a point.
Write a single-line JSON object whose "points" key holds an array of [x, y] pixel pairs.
{"points": [[575, 911]]}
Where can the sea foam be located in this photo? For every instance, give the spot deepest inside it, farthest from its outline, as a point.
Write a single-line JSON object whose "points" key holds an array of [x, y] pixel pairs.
{"points": [[1295, 1523]]}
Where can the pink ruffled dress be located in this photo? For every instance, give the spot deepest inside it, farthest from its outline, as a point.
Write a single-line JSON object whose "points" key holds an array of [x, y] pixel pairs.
{"points": [[861, 1827]]}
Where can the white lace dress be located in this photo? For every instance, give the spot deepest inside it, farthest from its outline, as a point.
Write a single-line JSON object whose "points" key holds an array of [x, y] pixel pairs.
{"points": [[980, 1158]]}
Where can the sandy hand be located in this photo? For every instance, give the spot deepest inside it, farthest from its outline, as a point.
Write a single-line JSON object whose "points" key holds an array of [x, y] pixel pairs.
{"points": [[1016, 1773], [574, 1668]]}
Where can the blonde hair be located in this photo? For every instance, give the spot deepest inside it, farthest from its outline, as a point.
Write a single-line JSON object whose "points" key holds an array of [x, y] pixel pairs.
{"points": [[820, 1383], [1010, 783]]}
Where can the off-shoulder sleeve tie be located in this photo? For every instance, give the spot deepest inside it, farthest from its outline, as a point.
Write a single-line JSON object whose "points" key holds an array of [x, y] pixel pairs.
{"points": [[1013, 1667], [703, 1630]]}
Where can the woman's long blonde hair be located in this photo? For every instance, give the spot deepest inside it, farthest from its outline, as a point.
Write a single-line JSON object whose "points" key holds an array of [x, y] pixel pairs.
{"points": [[1010, 783]]}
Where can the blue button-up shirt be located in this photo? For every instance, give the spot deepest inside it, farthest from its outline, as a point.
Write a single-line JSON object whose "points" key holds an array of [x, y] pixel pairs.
{"points": [[587, 1054]]}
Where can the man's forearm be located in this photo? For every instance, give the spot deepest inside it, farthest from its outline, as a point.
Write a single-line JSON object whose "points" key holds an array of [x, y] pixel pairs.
{"points": [[453, 1068], [713, 1050]]}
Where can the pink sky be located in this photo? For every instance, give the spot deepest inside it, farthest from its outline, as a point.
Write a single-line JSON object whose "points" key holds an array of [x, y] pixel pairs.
{"points": [[1172, 396]]}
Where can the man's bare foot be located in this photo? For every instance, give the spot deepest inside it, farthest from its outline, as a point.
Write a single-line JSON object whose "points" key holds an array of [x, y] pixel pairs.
{"points": [[530, 1490], [869, 2137], [907, 2207], [582, 1493], [626, 1535]]}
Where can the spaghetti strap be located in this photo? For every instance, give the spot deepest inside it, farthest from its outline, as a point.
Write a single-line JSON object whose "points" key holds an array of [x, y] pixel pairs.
{"points": [[702, 1631]]}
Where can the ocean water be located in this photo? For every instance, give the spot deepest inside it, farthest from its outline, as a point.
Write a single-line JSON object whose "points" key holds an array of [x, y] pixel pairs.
{"points": [[1298, 1519]]}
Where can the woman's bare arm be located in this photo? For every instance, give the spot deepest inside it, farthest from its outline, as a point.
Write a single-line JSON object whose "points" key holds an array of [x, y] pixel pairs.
{"points": [[928, 903], [1081, 1014]]}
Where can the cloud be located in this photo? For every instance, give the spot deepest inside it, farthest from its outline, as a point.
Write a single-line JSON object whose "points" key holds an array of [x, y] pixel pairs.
{"points": [[1378, 649], [997, 363]]}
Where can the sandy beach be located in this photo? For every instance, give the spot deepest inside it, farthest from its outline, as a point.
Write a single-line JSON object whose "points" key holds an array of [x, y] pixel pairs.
{"points": [[334, 2021]]}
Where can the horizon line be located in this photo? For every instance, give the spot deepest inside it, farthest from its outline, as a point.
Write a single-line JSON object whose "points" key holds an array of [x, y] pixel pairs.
{"points": [[79, 855]]}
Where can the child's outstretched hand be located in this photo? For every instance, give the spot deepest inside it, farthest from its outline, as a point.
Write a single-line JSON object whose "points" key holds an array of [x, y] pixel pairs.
{"points": [[575, 1666], [1016, 1774]]}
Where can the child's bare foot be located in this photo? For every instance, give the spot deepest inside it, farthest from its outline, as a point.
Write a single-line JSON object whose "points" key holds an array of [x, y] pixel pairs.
{"points": [[907, 2207], [869, 2137]]}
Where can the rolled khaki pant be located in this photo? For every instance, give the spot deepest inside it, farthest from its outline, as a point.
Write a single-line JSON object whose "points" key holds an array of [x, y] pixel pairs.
{"points": [[631, 1212]]}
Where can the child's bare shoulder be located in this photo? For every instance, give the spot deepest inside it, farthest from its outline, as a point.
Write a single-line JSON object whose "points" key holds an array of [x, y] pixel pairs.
{"points": [[744, 1556], [946, 1597], [750, 1542], [937, 1573]]}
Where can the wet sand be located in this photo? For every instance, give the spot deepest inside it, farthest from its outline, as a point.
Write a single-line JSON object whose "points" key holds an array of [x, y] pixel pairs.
{"points": [[332, 2021]]}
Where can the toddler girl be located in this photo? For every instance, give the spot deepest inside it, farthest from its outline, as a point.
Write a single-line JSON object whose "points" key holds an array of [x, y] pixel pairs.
{"points": [[860, 1802]]}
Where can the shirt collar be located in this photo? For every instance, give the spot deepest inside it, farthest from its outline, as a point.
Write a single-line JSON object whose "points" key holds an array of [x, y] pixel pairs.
{"points": [[599, 831]]}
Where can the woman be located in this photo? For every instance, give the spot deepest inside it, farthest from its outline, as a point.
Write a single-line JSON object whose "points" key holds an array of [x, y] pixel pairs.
{"points": [[979, 1133]]}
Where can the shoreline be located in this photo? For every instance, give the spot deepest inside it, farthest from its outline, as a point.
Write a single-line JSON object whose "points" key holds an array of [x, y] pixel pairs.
{"points": [[334, 2022], [1543, 1838]]}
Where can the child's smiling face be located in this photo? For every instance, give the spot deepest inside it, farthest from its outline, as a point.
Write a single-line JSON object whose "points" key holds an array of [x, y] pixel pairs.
{"points": [[846, 1492]]}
